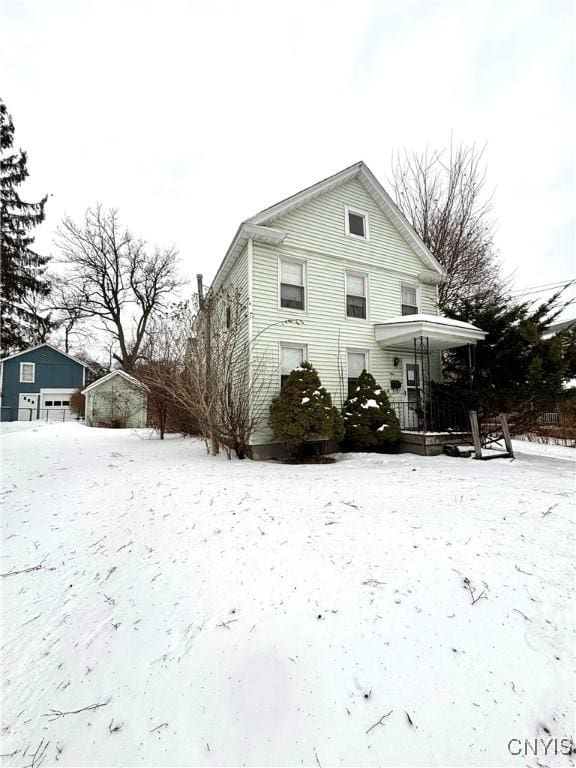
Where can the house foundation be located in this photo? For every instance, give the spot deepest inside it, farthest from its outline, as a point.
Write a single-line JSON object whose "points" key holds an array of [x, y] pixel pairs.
{"points": [[431, 443]]}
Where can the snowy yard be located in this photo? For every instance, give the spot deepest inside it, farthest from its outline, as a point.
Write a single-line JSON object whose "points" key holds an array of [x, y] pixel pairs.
{"points": [[241, 613]]}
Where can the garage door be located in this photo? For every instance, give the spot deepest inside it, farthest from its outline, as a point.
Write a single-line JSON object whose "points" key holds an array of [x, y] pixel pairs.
{"points": [[55, 407]]}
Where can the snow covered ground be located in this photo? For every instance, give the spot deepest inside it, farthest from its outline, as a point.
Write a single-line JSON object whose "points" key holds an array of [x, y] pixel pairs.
{"points": [[239, 613]]}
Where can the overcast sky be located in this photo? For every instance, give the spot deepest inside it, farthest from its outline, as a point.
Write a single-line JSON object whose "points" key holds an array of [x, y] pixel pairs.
{"points": [[192, 116]]}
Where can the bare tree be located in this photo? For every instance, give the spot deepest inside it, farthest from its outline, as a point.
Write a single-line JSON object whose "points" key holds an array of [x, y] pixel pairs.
{"points": [[442, 195], [68, 314], [196, 358], [113, 276], [170, 366], [201, 357], [42, 323]]}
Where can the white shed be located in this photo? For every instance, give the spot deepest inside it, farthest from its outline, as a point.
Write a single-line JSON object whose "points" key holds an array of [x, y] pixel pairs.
{"points": [[116, 400]]}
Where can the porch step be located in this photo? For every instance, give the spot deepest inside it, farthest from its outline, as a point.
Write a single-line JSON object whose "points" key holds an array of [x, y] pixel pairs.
{"points": [[459, 451]]}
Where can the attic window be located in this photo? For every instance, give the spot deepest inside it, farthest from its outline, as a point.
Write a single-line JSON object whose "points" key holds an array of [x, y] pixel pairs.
{"points": [[356, 223], [27, 373]]}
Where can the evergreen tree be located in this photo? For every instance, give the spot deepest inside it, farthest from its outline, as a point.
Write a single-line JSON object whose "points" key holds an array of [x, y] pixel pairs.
{"points": [[21, 275], [369, 419], [520, 367], [303, 410]]}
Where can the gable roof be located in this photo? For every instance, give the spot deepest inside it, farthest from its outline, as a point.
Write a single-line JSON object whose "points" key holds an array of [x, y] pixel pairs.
{"points": [[257, 226], [111, 375], [50, 346]]}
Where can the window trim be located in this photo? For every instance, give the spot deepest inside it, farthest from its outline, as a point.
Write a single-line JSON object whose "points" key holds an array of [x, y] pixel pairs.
{"points": [[22, 380], [348, 209], [297, 260], [416, 286], [358, 351], [366, 278], [294, 345]]}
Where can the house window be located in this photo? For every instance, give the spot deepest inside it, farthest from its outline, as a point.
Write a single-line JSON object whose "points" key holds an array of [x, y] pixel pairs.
{"points": [[292, 285], [356, 223], [27, 373], [409, 300], [291, 356], [355, 295], [357, 362], [48, 403], [228, 316]]}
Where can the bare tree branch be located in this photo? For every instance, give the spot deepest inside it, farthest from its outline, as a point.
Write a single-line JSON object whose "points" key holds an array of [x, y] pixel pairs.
{"points": [[56, 714], [113, 276], [442, 196]]}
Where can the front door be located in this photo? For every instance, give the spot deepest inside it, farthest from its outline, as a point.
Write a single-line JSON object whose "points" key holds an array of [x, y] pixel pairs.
{"points": [[412, 393], [27, 407]]}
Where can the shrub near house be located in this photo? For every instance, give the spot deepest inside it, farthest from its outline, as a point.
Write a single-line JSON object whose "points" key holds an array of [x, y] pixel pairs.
{"points": [[303, 411], [370, 422]]}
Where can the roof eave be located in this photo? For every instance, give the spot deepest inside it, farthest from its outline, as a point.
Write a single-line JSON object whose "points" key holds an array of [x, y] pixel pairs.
{"points": [[50, 346], [398, 333], [111, 375], [402, 223], [246, 231], [309, 193]]}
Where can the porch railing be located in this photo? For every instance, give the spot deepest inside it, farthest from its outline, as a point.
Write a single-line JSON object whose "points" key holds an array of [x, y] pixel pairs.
{"points": [[433, 416]]}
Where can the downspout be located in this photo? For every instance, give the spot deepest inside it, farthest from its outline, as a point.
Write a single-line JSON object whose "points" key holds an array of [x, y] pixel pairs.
{"points": [[250, 266], [200, 291], [205, 320]]}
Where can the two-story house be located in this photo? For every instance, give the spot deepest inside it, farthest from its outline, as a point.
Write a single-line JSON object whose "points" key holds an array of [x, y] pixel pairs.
{"points": [[37, 383], [341, 259]]}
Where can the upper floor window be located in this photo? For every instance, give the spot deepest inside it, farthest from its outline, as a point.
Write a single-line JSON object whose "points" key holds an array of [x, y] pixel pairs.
{"points": [[27, 373], [292, 284], [356, 223], [291, 356], [409, 300], [356, 295], [357, 362]]}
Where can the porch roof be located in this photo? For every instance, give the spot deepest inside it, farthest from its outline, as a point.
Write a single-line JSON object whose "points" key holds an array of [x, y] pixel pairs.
{"points": [[441, 332]]}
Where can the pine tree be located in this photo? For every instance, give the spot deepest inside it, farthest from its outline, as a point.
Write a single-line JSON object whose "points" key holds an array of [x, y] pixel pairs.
{"points": [[520, 367], [369, 419], [303, 410], [21, 275]]}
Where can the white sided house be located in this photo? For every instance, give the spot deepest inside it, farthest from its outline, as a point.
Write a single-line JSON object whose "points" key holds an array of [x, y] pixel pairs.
{"points": [[340, 258], [117, 400]]}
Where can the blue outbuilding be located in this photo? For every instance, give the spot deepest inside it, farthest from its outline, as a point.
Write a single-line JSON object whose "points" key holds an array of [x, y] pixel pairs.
{"points": [[37, 383]]}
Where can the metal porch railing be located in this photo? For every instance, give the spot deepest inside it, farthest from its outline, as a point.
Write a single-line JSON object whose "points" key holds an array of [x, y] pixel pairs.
{"points": [[433, 416]]}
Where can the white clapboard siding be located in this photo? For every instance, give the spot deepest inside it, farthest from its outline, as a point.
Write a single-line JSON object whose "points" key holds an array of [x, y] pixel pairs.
{"points": [[316, 234]]}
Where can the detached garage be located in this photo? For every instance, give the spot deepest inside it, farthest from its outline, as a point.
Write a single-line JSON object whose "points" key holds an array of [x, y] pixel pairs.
{"points": [[117, 400]]}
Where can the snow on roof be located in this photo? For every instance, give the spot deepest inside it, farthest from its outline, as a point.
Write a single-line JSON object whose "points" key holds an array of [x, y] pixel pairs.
{"points": [[422, 318]]}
